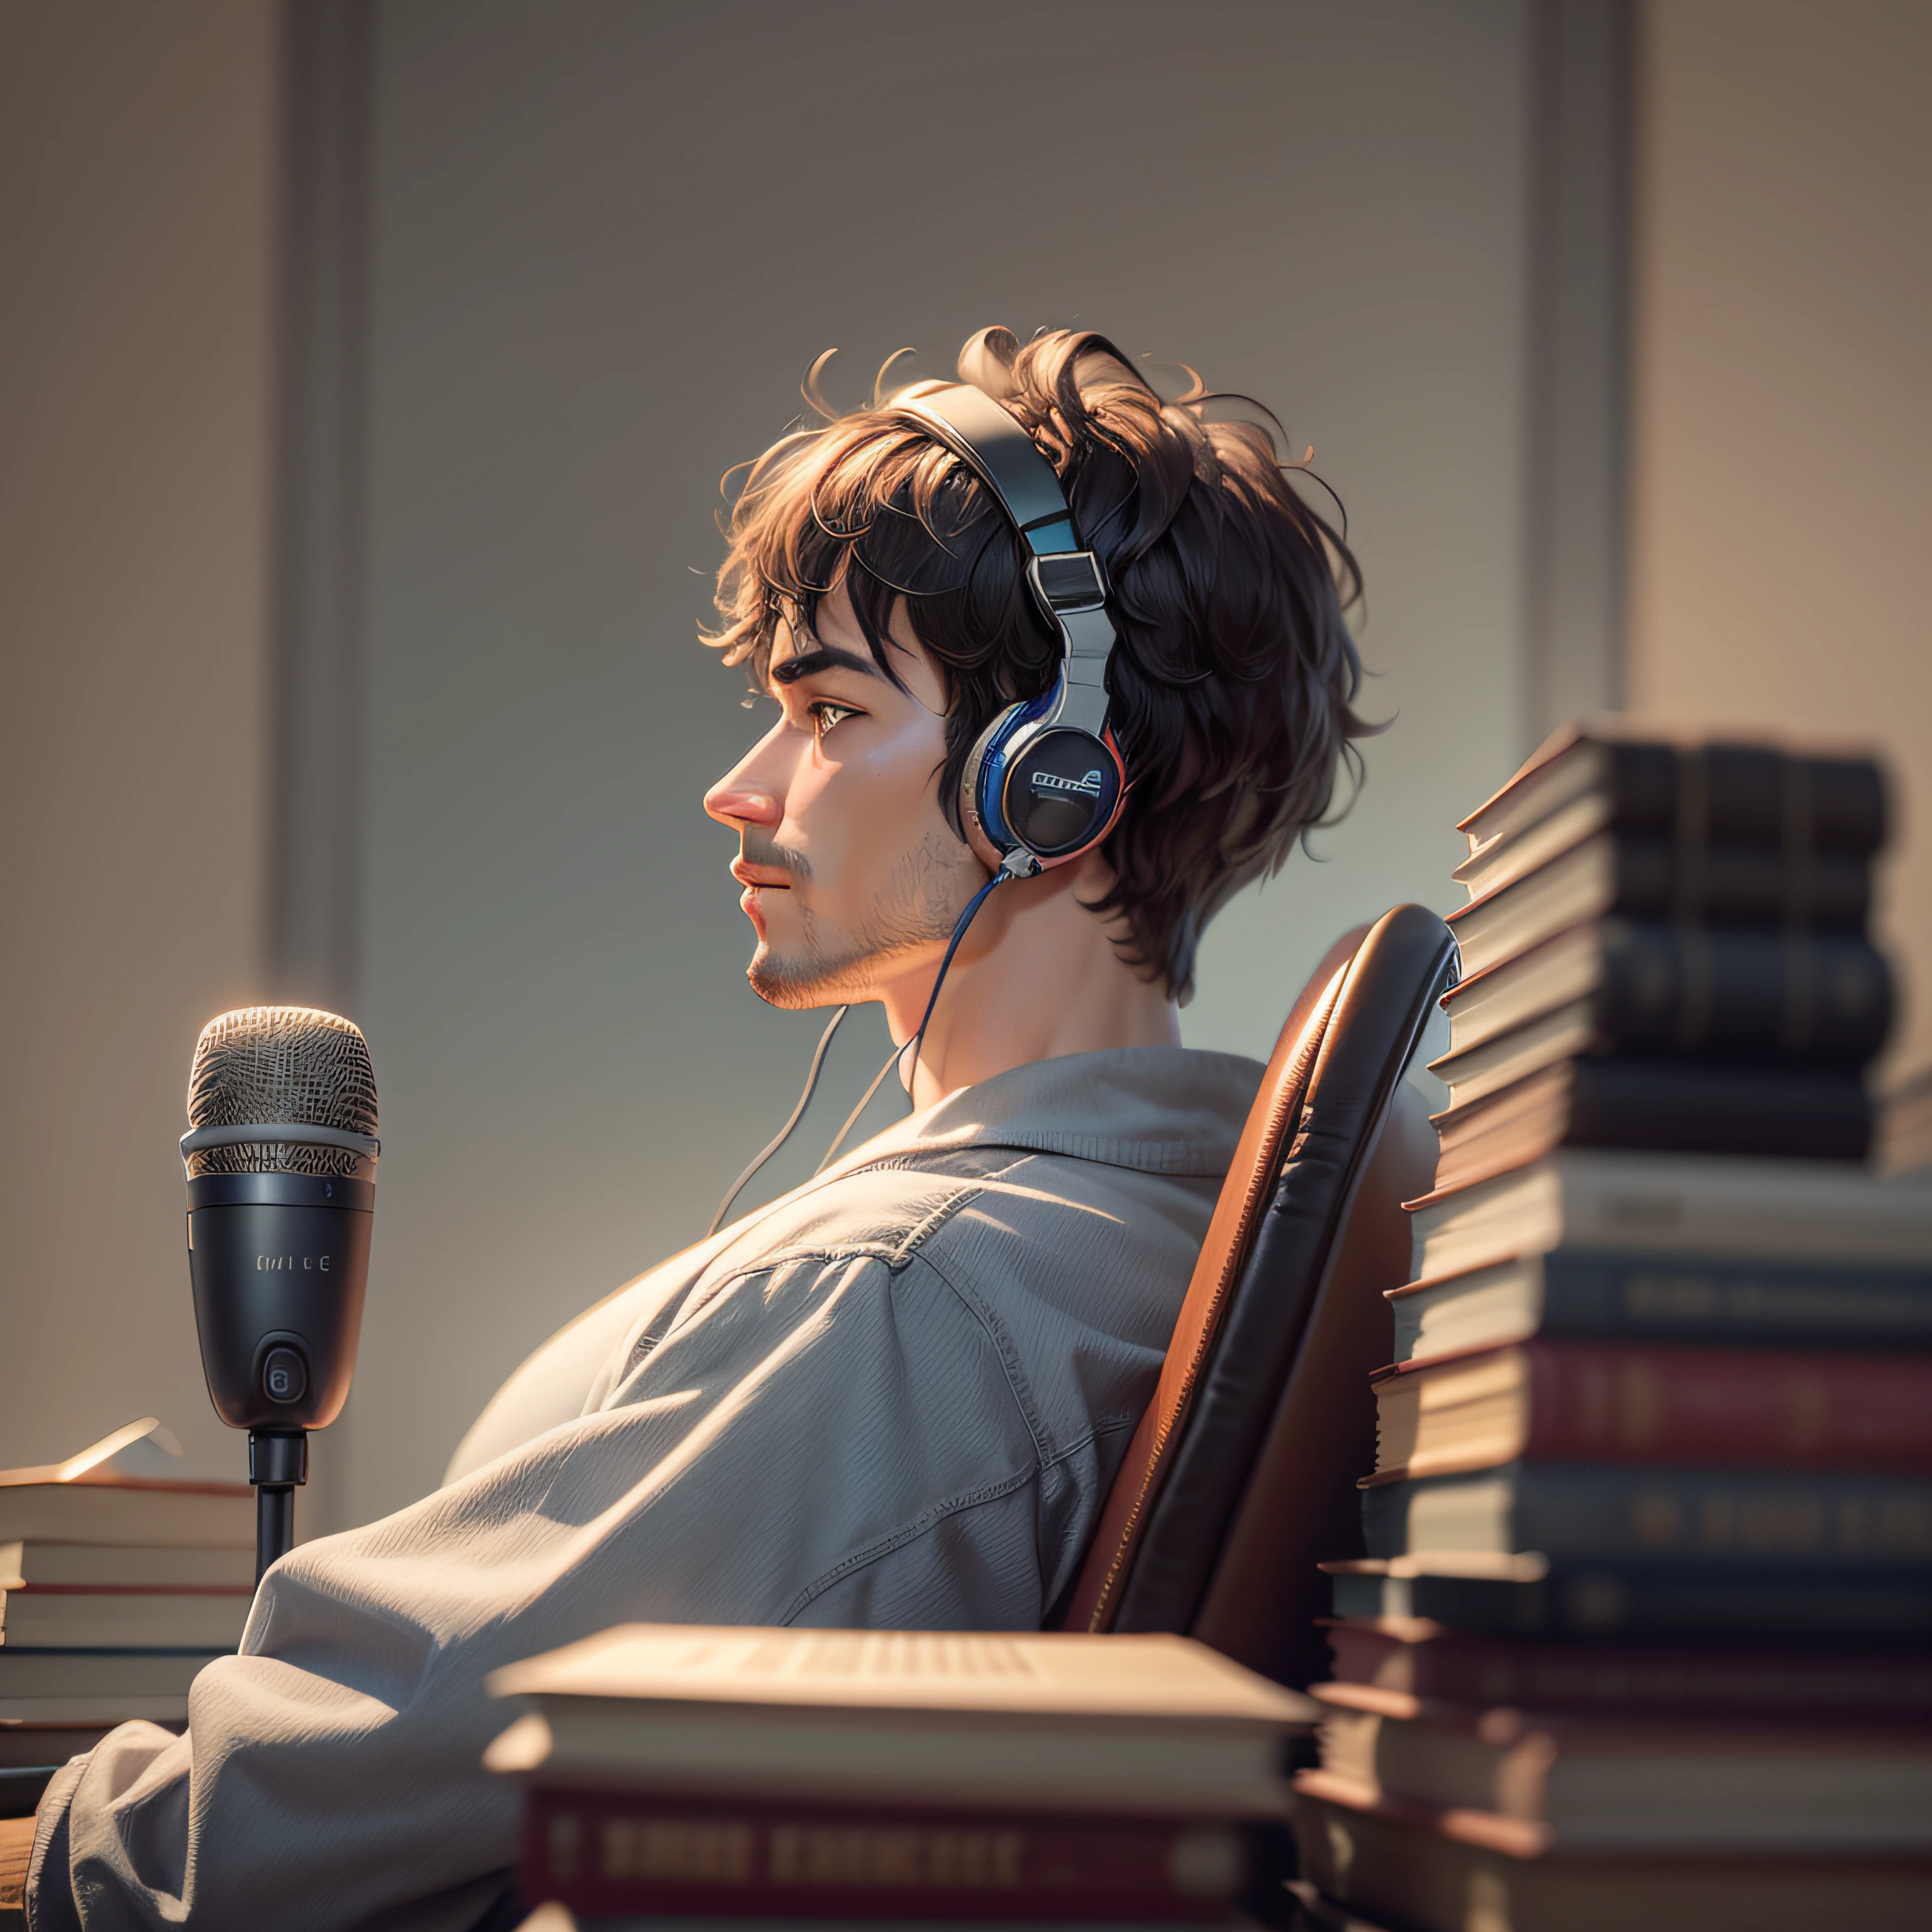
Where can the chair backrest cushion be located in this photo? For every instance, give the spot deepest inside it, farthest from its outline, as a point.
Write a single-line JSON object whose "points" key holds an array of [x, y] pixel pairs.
{"points": [[1244, 1193], [1301, 1505], [1235, 1382]]}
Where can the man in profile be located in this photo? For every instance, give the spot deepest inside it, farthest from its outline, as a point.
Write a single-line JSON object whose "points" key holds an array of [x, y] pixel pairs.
{"points": [[894, 1397]]}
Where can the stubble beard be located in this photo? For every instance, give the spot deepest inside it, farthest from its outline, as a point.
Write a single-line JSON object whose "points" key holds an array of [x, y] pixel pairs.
{"points": [[917, 906]]}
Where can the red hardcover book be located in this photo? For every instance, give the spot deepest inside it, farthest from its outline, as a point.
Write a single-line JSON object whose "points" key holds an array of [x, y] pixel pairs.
{"points": [[604, 1853], [1401, 1666], [1590, 1402]]}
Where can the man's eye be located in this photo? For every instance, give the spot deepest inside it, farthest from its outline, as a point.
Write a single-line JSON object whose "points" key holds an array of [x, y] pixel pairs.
{"points": [[825, 712]]}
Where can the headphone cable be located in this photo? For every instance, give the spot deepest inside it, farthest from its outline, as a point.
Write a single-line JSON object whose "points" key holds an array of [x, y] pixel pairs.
{"points": [[784, 1133]]}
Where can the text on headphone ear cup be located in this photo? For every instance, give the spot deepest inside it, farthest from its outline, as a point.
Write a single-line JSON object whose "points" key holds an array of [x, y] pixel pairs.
{"points": [[1058, 789]]}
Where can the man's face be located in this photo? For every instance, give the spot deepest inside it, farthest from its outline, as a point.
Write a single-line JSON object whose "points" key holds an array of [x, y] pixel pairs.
{"points": [[853, 878]]}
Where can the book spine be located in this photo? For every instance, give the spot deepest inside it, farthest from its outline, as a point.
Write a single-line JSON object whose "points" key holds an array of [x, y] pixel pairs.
{"points": [[1820, 999], [1749, 795], [1657, 878], [607, 1853], [1692, 1298], [1698, 1604], [1475, 1672], [1729, 1408], [1578, 1510], [1663, 1104], [1660, 1106]]}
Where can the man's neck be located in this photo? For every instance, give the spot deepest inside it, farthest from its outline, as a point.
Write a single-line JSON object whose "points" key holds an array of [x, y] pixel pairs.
{"points": [[1037, 976]]}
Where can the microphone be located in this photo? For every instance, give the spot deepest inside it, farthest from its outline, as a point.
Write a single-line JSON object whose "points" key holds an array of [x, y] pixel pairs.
{"points": [[281, 1160]]}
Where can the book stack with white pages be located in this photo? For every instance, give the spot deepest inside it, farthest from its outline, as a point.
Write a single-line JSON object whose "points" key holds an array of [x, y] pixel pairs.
{"points": [[918, 1777], [1643, 1635], [119, 1579]]}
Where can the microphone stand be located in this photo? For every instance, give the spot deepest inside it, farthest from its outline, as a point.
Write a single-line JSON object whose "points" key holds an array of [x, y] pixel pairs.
{"points": [[277, 1465]]}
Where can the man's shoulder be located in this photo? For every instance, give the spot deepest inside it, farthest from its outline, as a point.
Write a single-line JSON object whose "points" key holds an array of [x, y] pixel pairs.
{"points": [[1043, 1248], [931, 1202]]}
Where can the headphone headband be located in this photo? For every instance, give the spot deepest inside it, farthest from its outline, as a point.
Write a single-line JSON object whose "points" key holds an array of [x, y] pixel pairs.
{"points": [[1022, 823], [1067, 582], [1009, 461]]}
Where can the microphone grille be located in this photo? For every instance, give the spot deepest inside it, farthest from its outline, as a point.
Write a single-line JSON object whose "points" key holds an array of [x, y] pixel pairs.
{"points": [[292, 1064]]}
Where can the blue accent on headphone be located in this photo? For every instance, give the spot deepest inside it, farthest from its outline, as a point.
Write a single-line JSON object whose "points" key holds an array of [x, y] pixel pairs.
{"points": [[992, 776]]}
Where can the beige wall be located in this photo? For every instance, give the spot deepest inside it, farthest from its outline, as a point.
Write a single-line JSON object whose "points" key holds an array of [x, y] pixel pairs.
{"points": [[135, 243], [594, 288], [1782, 527], [609, 238]]}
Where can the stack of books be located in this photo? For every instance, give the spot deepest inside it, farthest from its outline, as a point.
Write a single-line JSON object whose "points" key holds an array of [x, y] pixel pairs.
{"points": [[677, 1771], [1644, 1631], [118, 1582], [1665, 948]]}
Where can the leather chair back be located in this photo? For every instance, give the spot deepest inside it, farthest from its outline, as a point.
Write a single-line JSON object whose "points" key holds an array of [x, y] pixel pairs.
{"points": [[1241, 1476]]}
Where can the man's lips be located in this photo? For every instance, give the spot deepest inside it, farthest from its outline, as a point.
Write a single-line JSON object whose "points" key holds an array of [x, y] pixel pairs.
{"points": [[757, 879]]}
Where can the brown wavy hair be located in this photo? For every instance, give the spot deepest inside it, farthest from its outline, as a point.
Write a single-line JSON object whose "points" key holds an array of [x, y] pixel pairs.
{"points": [[1233, 681]]}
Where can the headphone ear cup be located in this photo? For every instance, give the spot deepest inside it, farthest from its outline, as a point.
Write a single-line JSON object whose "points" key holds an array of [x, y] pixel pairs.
{"points": [[1058, 790], [986, 831]]}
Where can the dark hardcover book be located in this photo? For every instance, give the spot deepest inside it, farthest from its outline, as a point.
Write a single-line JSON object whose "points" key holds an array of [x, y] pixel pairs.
{"points": [[1658, 1104], [605, 1853], [1716, 1604], [1400, 1667], [29, 1745], [1609, 875], [1592, 1511], [1550, 1401], [1672, 991], [1406, 1868], [22, 1787], [1692, 791], [1592, 1295]]}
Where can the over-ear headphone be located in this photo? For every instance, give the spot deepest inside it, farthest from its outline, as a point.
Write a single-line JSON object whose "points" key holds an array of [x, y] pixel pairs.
{"points": [[1044, 782]]}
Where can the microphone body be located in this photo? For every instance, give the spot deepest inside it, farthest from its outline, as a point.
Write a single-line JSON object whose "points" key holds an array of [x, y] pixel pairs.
{"points": [[279, 1262], [281, 1197]]}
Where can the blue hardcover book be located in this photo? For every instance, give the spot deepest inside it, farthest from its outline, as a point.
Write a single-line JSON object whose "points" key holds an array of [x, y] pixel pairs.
{"points": [[1595, 1295]]}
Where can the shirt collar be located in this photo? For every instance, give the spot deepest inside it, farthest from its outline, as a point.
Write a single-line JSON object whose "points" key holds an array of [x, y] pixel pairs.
{"points": [[1161, 1109]]}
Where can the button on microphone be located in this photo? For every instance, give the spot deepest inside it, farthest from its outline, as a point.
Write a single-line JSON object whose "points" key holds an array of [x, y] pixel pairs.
{"points": [[284, 1376]]}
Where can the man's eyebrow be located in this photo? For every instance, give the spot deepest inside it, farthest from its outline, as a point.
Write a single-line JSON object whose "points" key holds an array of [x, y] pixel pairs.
{"points": [[822, 657]]}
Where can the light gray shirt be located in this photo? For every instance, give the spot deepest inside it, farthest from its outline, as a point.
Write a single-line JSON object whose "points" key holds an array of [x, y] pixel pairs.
{"points": [[894, 1397]]}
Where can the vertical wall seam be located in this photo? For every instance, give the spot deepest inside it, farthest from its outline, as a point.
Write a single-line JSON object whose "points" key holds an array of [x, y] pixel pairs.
{"points": [[314, 894], [1576, 465]]}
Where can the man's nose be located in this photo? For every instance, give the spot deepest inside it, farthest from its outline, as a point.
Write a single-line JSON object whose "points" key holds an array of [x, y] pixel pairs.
{"points": [[752, 792]]}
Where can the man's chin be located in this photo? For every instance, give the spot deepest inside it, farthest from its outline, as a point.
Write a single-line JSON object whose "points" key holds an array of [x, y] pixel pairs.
{"points": [[796, 984]]}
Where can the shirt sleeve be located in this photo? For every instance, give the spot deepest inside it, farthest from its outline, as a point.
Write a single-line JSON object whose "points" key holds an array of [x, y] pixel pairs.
{"points": [[831, 1438]]}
